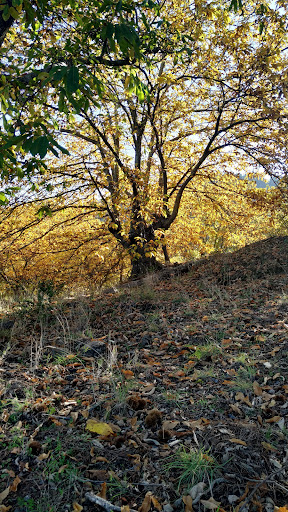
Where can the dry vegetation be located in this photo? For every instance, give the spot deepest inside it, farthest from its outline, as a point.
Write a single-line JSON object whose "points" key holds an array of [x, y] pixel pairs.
{"points": [[185, 381]]}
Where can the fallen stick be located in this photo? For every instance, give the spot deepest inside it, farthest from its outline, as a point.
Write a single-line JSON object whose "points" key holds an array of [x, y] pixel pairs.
{"points": [[104, 503]]}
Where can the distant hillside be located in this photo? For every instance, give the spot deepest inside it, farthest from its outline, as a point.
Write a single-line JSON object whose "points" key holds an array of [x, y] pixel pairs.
{"points": [[263, 184]]}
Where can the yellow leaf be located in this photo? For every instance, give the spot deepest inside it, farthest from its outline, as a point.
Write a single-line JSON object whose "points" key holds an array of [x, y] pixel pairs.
{"points": [[237, 441], [77, 507], [100, 428], [269, 447], [188, 503]]}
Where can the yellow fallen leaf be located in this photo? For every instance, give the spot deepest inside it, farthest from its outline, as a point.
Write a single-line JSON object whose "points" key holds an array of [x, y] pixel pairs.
{"points": [[269, 447], [187, 500], [100, 428], [60, 470], [3, 508], [44, 456], [77, 507], [237, 441]]}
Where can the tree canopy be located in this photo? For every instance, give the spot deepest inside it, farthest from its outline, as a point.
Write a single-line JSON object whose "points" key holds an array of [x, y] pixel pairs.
{"points": [[147, 98]]}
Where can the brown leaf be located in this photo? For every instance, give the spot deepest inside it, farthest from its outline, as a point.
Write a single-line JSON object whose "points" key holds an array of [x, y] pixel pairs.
{"points": [[15, 483], [236, 409], [146, 505], [257, 388], [156, 503], [103, 490], [274, 419], [169, 425], [44, 456], [62, 468], [187, 500]]}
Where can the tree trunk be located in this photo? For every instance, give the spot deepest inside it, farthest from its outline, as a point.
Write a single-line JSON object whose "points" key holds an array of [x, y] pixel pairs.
{"points": [[143, 265], [142, 250]]}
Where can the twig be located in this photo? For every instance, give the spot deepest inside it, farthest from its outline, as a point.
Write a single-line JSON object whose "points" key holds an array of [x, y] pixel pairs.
{"points": [[103, 503], [148, 484], [261, 482]]}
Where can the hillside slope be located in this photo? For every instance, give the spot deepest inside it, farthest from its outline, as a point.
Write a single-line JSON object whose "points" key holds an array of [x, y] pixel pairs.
{"points": [[190, 373]]}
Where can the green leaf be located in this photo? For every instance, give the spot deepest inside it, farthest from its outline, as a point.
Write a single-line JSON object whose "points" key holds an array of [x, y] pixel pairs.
{"points": [[72, 79], [44, 211], [234, 5], [14, 13], [3, 198], [6, 13], [40, 146]]}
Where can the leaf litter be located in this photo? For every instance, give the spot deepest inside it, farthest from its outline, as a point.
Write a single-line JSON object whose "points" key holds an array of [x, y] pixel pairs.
{"points": [[195, 365]]}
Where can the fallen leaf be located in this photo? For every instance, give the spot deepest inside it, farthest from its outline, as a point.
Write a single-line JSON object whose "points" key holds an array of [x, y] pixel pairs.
{"points": [[43, 456], [168, 425], [237, 441], [15, 483], [103, 489], [156, 503], [128, 374], [210, 504], [257, 388], [3, 508], [269, 447], [77, 507], [146, 505], [187, 500], [274, 419], [4, 494], [74, 416], [100, 428], [236, 409]]}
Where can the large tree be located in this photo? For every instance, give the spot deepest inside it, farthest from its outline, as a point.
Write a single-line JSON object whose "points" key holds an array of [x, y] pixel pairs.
{"points": [[220, 105], [210, 97]]}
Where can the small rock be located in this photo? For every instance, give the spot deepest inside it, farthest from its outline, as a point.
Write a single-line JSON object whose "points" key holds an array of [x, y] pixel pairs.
{"points": [[167, 508], [97, 444]]}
